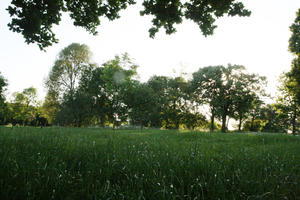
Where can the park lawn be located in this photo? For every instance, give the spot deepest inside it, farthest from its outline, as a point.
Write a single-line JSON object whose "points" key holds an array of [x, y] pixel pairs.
{"points": [[93, 163]]}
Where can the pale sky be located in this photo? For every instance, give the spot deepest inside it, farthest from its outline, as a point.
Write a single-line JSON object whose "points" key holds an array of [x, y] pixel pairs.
{"points": [[259, 42]]}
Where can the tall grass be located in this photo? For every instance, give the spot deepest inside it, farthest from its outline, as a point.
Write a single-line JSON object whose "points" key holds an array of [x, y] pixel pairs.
{"points": [[69, 163]]}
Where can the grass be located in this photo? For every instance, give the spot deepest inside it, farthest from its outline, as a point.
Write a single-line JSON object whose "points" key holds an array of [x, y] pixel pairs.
{"points": [[69, 163]]}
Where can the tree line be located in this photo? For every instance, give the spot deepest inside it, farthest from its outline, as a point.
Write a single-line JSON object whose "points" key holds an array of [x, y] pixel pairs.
{"points": [[83, 93]]}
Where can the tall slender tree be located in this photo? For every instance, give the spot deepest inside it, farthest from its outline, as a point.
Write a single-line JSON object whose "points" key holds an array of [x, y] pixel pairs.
{"points": [[118, 75], [3, 105], [288, 103], [63, 80], [294, 47], [206, 84]]}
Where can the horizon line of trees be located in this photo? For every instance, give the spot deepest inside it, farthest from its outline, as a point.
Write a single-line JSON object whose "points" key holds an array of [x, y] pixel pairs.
{"points": [[82, 93]]}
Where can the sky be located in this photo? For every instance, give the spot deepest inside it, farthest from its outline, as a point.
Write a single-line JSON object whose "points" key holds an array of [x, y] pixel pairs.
{"points": [[259, 42]]}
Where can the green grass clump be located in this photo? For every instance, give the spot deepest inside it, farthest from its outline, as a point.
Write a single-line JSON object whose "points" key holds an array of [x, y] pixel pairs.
{"points": [[69, 163]]}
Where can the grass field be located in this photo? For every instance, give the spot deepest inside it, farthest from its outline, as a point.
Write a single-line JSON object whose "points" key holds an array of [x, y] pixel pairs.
{"points": [[68, 163]]}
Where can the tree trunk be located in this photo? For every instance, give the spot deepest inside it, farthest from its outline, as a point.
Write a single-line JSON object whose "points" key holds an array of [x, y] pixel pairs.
{"points": [[227, 124], [252, 123], [141, 124], [224, 123], [102, 118], [212, 120], [240, 122], [177, 124], [294, 121], [212, 126]]}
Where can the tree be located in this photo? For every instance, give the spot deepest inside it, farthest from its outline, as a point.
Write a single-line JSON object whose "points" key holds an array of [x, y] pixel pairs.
{"points": [[50, 107], [227, 90], [206, 85], [3, 85], [171, 97], [92, 86], [3, 105], [35, 20], [75, 111], [178, 100], [105, 89], [287, 103], [141, 101], [24, 106], [72, 64], [159, 85], [248, 88], [294, 47], [273, 120], [118, 75], [253, 124]]}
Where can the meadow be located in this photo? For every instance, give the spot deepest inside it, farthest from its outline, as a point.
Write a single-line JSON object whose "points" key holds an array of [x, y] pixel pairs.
{"points": [[93, 163]]}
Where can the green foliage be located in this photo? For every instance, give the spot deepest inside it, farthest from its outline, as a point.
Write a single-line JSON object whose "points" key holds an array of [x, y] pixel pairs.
{"points": [[35, 20], [277, 117], [75, 111], [50, 106], [24, 107], [69, 163], [84, 94], [254, 114], [72, 64], [274, 121], [3, 85], [3, 105], [100, 97], [229, 91], [294, 46], [287, 103], [290, 82], [206, 84], [118, 76], [253, 125], [247, 91], [174, 106], [141, 100], [294, 42], [159, 85]]}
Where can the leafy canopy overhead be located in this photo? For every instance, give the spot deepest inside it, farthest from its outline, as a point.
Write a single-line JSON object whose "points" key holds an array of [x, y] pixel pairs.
{"points": [[34, 19]]}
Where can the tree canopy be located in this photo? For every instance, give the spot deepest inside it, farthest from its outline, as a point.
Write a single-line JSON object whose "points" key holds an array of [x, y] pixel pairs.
{"points": [[287, 103], [72, 62], [228, 91], [294, 46], [34, 20], [81, 93]]}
